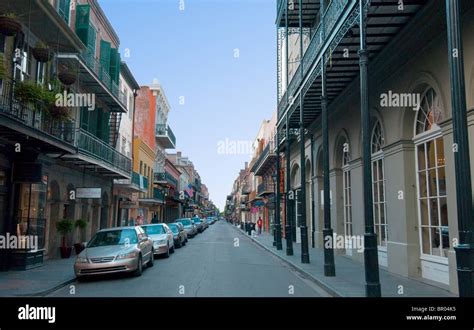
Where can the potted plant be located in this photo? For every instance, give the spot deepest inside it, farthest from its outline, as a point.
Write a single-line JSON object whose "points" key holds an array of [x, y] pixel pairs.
{"points": [[64, 227], [27, 92], [80, 224], [66, 75], [9, 24], [42, 52]]}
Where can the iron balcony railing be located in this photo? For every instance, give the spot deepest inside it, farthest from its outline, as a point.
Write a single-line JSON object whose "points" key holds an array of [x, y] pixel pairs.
{"points": [[165, 130], [32, 115], [159, 176], [101, 72], [265, 187], [96, 148], [319, 38], [268, 150], [140, 180], [171, 180]]}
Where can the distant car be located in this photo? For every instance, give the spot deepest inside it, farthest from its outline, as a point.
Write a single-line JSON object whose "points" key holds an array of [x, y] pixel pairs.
{"points": [[162, 236], [179, 235], [114, 250], [199, 225], [212, 220], [189, 227], [205, 223]]}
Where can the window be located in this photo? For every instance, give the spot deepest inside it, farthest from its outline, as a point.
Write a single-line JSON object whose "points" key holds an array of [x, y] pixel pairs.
{"points": [[378, 185], [346, 173], [141, 167], [431, 173]]}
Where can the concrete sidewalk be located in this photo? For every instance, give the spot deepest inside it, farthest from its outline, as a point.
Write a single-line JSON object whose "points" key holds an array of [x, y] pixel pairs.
{"points": [[38, 281], [350, 275]]}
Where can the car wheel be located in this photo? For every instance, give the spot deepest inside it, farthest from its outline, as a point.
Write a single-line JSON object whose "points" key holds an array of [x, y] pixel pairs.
{"points": [[172, 249], [184, 242], [139, 270], [151, 262], [179, 244], [167, 255]]}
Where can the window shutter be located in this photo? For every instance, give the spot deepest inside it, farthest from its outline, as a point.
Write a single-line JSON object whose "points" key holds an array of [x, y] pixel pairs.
{"points": [[83, 22], [63, 9], [105, 62], [114, 65]]}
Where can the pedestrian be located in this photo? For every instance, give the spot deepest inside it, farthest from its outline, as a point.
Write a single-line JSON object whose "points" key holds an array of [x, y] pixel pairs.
{"points": [[259, 225]]}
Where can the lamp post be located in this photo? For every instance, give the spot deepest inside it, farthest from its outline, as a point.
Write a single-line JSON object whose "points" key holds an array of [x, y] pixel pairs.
{"points": [[274, 210], [465, 248]]}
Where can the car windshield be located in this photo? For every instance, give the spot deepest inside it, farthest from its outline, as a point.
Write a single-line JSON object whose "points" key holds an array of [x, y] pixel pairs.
{"points": [[154, 230], [114, 237], [186, 222], [174, 228]]}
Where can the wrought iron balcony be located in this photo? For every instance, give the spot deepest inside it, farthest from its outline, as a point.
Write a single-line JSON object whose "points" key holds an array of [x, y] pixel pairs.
{"points": [[94, 75], [102, 154], [265, 188], [320, 38], [165, 136], [160, 177], [137, 182], [265, 160], [28, 124]]}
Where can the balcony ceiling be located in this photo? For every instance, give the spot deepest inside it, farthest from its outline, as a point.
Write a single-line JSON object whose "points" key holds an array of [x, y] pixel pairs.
{"points": [[94, 165], [44, 22], [384, 23]]}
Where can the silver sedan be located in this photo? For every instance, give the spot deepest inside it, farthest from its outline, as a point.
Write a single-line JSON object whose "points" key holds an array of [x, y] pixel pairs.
{"points": [[114, 250], [162, 236]]}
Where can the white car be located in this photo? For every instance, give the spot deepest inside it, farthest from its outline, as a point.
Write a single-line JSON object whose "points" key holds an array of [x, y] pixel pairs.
{"points": [[162, 236]]}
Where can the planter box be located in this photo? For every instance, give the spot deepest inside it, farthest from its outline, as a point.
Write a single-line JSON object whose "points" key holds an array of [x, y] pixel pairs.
{"points": [[25, 259]]}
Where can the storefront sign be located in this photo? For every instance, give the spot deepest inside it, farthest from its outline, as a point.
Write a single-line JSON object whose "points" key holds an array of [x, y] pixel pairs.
{"points": [[89, 193]]}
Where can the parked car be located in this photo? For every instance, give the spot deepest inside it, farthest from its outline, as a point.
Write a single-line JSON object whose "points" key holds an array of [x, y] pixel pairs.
{"points": [[179, 235], [114, 250], [180, 225], [212, 220], [162, 236], [199, 225], [189, 226], [205, 223]]}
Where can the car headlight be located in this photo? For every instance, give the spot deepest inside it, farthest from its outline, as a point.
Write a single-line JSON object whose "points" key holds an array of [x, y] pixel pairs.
{"points": [[130, 255], [81, 260]]}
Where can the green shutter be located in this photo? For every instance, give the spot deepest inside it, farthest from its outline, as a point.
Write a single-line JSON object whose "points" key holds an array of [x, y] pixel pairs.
{"points": [[93, 118], [63, 9], [114, 65], [105, 62], [106, 127], [83, 22]]}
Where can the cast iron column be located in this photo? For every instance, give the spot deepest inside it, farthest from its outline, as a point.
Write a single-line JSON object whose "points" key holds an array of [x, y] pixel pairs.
{"points": [[329, 267], [313, 164], [277, 194], [289, 202], [302, 194], [465, 248], [372, 285]]}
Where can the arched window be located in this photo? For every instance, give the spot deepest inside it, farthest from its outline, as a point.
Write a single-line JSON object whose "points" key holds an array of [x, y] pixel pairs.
{"points": [[346, 173], [378, 184], [431, 177]]}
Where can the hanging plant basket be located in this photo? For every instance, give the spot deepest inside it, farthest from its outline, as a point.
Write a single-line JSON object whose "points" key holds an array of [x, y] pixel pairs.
{"points": [[42, 55], [9, 26], [67, 77]]}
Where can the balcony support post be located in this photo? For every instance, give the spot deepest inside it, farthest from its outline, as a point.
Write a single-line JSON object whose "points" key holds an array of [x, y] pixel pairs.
{"points": [[289, 193], [372, 285], [302, 194], [313, 199], [465, 248], [277, 195], [329, 266]]}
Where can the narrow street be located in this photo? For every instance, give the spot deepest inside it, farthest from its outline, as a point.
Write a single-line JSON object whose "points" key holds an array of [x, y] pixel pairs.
{"points": [[208, 266]]}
